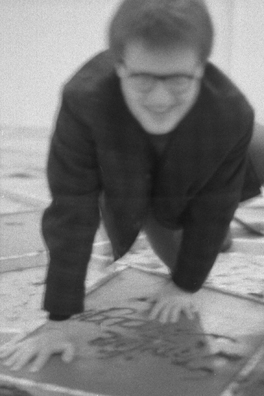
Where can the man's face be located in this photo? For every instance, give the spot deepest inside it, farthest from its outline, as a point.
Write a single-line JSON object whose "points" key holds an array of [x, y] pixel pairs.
{"points": [[159, 86]]}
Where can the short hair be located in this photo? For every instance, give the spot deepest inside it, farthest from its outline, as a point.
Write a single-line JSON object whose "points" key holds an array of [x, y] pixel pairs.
{"points": [[162, 24]]}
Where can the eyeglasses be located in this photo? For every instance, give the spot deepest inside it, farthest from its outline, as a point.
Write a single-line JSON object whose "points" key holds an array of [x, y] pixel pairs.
{"points": [[177, 83]]}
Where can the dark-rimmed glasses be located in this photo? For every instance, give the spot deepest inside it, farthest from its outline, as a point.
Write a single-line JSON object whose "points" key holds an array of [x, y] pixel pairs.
{"points": [[145, 82]]}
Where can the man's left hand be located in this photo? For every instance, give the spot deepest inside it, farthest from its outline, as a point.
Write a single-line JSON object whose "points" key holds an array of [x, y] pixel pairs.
{"points": [[170, 302]]}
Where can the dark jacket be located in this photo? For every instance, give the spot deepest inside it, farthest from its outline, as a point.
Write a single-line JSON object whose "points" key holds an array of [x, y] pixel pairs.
{"points": [[98, 146]]}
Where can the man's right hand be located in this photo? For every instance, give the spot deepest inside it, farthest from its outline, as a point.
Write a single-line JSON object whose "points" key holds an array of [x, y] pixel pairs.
{"points": [[53, 338]]}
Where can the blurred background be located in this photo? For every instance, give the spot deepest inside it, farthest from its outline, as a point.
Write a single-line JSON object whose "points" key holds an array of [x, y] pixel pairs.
{"points": [[43, 42]]}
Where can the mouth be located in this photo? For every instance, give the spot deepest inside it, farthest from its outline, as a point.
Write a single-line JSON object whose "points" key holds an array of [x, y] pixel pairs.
{"points": [[159, 112]]}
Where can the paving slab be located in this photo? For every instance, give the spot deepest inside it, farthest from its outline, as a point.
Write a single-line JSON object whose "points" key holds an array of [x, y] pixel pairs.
{"points": [[23, 162], [24, 148], [9, 205], [20, 239], [122, 353], [30, 192]]}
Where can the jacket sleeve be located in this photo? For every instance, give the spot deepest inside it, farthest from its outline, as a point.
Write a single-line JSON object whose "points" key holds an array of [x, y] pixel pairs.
{"points": [[70, 222], [208, 216]]}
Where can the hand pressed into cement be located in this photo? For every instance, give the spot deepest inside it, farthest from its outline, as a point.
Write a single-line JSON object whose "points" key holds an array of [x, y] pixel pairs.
{"points": [[52, 339], [169, 302]]}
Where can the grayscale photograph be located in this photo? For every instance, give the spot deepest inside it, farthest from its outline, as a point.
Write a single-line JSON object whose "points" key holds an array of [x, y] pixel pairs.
{"points": [[131, 198]]}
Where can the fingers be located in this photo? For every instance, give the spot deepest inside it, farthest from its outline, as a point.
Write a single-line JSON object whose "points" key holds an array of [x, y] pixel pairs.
{"points": [[13, 359], [19, 360], [68, 353], [7, 350], [170, 313], [190, 312], [40, 361], [165, 313], [20, 357], [187, 311], [40, 347], [155, 311], [67, 350], [10, 346]]}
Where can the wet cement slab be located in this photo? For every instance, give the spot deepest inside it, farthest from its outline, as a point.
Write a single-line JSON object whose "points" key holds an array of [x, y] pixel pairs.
{"points": [[122, 353]]}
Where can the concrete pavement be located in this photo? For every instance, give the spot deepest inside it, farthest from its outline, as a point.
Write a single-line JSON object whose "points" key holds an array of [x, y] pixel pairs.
{"points": [[24, 195]]}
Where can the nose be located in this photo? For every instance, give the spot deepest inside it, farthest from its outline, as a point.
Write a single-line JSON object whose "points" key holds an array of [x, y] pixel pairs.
{"points": [[160, 96]]}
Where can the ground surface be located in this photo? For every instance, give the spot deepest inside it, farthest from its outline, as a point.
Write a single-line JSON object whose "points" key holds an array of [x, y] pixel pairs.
{"points": [[24, 195]]}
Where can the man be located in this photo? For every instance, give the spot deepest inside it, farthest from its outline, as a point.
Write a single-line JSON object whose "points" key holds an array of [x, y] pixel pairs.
{"points": [[155, 138]]}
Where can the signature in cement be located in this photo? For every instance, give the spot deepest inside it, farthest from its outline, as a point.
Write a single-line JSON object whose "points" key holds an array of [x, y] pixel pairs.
{"points": [[124, 335]]}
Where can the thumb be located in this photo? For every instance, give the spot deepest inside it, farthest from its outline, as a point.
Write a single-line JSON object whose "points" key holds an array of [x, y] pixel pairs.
{"points": [[68, 352], [190, 312]]}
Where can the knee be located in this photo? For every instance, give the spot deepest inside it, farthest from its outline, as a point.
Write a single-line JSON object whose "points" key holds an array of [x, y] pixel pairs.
{"points": [[257, 141], [256, 151]]}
